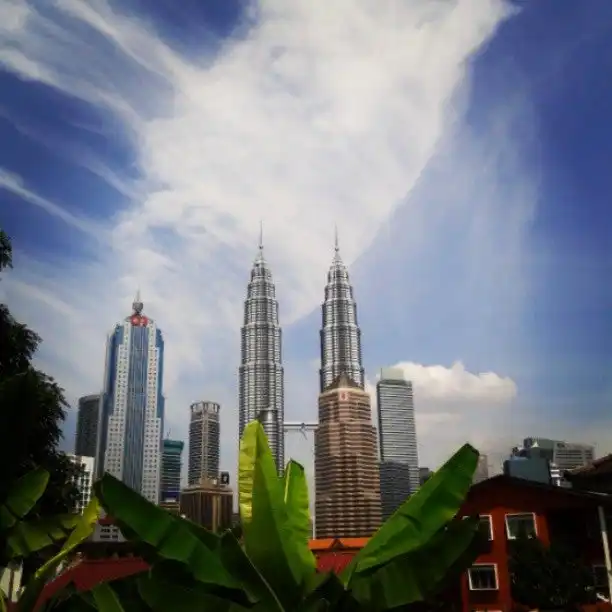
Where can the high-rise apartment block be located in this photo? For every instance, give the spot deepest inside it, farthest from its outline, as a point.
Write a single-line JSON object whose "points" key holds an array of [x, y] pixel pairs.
{"points": [[261, 375], [204, 441], [172, 460], [347, 481], [399, 460], [84, 480], [88, 415], [132, 409], [340, 333]]}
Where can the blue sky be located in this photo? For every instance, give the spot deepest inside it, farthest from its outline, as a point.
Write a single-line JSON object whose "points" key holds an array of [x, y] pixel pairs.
{"points": [[463, 149]]}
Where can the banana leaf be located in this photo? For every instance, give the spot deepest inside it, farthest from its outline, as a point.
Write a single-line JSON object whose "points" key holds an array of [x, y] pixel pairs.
{"points": [[106, 599], [168, 586], [84, 529], [417, 575], [69, 599], [171, 537], [421, 516], [237, 562], [125, 591], [298, 510], [23, 497], [27, 537], [325, 591], [268, 540], [208, 538]]}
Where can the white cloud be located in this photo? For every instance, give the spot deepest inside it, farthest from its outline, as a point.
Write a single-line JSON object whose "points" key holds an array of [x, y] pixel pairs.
{"points": [[318, 113], [447, 384]]}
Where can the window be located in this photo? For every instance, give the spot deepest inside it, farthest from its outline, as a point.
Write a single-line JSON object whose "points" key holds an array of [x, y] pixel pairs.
{"points": [[521, 525], [483, 577], [600, 576], [486, 526]]}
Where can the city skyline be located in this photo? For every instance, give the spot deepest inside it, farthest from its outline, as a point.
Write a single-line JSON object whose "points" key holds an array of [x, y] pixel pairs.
{"points": [[465, 169]]}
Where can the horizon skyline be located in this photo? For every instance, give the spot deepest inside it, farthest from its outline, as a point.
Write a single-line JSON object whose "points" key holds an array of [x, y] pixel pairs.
{"points": [[462, 148]]}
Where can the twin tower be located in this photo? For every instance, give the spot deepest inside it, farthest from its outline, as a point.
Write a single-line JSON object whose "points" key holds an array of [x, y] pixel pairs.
{"points": [[345, 437]]}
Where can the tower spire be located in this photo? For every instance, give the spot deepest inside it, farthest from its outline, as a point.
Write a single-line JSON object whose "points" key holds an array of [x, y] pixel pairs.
{"points": [[259, 259], [337, 258], [137, 304], [340, 333]]}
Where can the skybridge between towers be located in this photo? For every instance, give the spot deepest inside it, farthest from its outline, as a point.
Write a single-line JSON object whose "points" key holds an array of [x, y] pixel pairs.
{"points": [[300, 427]]}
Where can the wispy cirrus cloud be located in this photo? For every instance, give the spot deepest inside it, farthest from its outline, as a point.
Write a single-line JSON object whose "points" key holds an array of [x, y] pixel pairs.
{"points": [[312, 115]]}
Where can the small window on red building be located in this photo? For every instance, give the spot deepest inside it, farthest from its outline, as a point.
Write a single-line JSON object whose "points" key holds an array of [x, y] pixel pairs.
{"points": [[486, 526], [521, 525], [483, 577]]}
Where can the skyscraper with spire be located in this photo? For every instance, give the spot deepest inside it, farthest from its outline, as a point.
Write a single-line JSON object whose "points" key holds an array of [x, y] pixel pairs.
{"points": [[347, 480], [132, 411], [261, 376], [340, 333]]}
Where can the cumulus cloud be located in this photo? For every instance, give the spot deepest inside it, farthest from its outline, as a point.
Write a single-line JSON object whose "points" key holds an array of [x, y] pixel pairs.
{"points": [[313, 114]]}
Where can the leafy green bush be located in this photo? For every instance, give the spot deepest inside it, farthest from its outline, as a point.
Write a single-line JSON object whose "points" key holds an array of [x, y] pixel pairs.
{"points": [[408, 560]]}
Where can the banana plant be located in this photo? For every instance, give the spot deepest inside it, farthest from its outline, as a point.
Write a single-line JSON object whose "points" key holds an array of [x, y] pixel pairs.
{"points": [[272, 569], [85, 525], [21, 536]]}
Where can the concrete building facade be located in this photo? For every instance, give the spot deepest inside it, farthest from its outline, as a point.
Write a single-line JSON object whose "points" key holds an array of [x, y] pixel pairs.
{"points": [[172, 462], [86, 438], [204, 440], [347, 481], [84, 480], [209, 504], [399, 458]]}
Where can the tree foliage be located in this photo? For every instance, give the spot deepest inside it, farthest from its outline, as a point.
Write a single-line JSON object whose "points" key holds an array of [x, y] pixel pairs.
{"points": [[32, 410], [549, 577]]}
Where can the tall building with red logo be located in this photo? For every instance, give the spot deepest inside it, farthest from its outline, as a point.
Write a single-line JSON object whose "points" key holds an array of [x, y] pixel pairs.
{"points": [[132, 415]]}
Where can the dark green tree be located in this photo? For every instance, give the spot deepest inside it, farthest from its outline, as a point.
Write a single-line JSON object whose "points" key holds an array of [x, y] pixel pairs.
{"points": [[549, 577], [32, 410]]}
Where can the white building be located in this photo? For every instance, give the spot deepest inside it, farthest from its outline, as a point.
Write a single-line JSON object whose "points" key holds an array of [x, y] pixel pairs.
{"points": [[132, 412], [84, 480]]}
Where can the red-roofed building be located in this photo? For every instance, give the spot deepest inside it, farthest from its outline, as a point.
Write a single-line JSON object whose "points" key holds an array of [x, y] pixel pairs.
{"points": [[335, 554], [332, 555]]}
